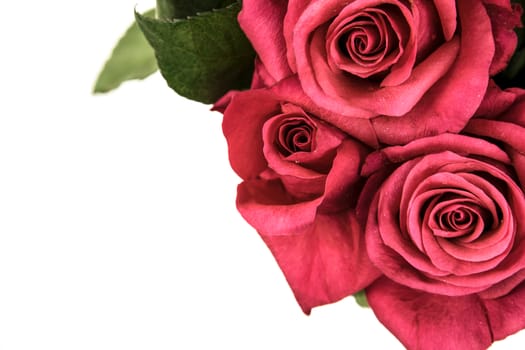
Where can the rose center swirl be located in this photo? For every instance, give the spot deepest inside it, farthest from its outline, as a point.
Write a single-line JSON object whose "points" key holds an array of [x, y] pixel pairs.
{"points": [[456, 220], [362, 43], [454, 217], [295, 135], [367, 43]]}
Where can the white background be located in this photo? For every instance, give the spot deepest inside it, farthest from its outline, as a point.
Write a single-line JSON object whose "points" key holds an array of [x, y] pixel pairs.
{"points": [[118, 228]]}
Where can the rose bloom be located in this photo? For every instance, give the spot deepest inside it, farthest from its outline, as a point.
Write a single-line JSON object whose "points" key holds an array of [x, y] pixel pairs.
{"points": [[300, 182], [416, 68], [445, 225]]}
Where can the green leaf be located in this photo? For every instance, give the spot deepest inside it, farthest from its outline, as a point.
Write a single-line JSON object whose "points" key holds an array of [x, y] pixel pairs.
{"points": [[360, 299], [132, 58], [171, 9], [204, 56]]}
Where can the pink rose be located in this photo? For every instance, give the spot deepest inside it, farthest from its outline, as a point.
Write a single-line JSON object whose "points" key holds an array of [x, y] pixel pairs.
{"points": [[445, 226], [417, 67], [300, 180]]}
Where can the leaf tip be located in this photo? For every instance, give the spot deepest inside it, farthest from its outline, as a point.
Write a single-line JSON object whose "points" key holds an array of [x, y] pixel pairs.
{"points": [[361, 300]]}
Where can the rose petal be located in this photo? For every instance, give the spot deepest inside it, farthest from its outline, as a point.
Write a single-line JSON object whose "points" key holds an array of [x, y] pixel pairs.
{"points": [[402, 69], [447, 13], [223, 102], [295, 9], [341, 184], [495, 101], [262, 22], [427, 19], [261, 76], [242, 125], [424, 321], [503, 288], [324, 262], [460, 144], [268, 207], [507, 313], [509, 133], [504, 19]]}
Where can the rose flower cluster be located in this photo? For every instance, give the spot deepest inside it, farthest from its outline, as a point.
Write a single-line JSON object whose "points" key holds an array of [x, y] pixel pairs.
{"points": [[378, 153]]}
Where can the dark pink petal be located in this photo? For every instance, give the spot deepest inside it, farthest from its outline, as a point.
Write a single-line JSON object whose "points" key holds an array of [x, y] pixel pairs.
{"points": [[509, 129], [242, 125], [506, 314], [324, 262], [262, 22], [516, 113], [261, 77], [402, 69], [495, 102], [341, 188], [223, 102], [424, 321], [447, 13], [509, 133], [427, 28], [460, 144], [295, 9], [268, 207], [504, 19], [503, 288], [370, 188], [304, 186]]}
